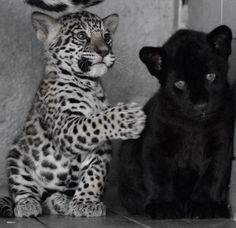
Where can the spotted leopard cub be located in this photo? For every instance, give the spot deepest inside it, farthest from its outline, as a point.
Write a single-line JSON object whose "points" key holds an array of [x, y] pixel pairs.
{"points": [[60, 161]]}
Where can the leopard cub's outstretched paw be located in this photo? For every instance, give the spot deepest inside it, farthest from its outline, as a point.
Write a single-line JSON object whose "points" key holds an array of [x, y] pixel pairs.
{"points": [[131, 120]]}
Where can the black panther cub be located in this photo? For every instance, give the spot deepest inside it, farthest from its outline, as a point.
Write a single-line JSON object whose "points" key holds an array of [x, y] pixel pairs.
{"points": [[181, 165]]}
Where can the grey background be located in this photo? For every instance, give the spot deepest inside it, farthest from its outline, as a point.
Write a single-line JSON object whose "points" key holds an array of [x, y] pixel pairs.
{"points": [[148, 22]]}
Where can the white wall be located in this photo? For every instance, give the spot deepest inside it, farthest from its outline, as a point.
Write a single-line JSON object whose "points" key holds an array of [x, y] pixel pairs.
{"points": [[20, 72], [141, 23]]}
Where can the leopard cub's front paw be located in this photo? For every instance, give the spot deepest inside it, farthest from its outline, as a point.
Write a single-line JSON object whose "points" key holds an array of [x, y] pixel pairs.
{"points": [[27, 207], [131, 120], [86, 209], [57, 204]]}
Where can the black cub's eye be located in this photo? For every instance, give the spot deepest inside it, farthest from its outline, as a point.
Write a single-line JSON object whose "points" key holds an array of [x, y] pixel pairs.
{"points": [[107, 37], [180, 85], [211, 77], [82, 35]]}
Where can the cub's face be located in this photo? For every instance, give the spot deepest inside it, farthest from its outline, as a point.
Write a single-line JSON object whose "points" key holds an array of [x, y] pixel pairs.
{"points": [[192, 70], [79, 43]]}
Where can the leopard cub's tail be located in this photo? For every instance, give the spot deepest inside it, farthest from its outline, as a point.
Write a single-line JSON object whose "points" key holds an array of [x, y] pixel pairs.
{"points": [[57, 8], [6, 207]]}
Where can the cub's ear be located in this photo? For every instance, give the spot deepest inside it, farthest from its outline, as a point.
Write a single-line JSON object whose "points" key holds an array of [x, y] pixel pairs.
{"points": [[45, 26], [220, 39], [155, 60], [111, 22]]}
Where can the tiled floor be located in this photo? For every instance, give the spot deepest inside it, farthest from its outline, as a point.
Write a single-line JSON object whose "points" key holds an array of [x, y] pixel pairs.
{"points": [[116, 217], [111, 220]]}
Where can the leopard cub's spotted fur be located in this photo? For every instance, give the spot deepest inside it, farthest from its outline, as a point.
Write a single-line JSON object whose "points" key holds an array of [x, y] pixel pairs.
{"points": [[61, 159]]}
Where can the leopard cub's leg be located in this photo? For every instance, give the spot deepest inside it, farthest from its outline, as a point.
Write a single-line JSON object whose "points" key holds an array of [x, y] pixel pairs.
{"points": [[23, 189], [87, 199], [57, 204]]}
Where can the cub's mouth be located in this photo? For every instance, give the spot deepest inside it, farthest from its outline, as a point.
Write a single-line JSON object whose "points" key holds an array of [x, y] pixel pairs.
{"points": [[85, 64], [204, 116], [93, 69]]}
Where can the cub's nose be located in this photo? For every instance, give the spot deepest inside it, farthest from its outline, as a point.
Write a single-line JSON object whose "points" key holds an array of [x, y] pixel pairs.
{"points": [[103, 50], [201, 107]]}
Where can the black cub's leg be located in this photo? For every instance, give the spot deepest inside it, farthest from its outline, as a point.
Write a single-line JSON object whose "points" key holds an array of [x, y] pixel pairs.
{"points": [[132, 197], [162, 203], [210, 196], [204, 209], [131, 189]]}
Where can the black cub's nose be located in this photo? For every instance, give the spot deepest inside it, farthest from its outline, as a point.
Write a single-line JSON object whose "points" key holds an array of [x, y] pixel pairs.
{"points": [[200, 107]]}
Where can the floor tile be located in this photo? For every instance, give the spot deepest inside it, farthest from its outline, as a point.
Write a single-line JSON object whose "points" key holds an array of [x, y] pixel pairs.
{"points": [[20, 223], [111, 220]]}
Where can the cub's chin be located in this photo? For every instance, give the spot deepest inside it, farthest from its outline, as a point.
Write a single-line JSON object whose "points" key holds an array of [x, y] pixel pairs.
{"points": [[97, 70]]}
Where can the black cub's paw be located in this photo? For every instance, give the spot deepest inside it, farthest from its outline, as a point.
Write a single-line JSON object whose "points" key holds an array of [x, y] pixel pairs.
{"points": [[164, 210], [211, 209]]}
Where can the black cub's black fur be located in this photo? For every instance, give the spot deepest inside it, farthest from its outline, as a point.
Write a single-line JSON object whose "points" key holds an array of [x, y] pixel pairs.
{"points": [[181, 165]]}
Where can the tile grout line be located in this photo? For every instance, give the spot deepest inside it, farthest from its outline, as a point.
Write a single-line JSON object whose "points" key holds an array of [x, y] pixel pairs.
{"points": [[130, 219], [41, 222], [137, 222]]}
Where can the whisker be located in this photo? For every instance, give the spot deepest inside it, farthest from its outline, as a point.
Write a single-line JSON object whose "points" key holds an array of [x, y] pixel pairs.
{"points": [[123, 67], [122, 64], [122, 70]]}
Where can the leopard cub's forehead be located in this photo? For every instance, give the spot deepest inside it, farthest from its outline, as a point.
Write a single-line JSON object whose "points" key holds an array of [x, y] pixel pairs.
{"points": [[82, 21]]}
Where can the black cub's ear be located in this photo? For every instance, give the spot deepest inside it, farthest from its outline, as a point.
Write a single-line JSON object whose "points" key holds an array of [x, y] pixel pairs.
{"points": [[220, 39], [154, 58]]}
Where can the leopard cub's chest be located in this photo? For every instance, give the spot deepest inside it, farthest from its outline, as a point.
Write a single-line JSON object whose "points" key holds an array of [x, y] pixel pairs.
{"points": [[100, 100], [96, 98], [85, 98]]}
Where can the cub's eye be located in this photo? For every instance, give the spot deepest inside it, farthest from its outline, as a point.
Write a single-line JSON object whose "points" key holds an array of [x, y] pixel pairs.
{"points": [[211, 77], [107, 37], [82, 35], [180, 85]]}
